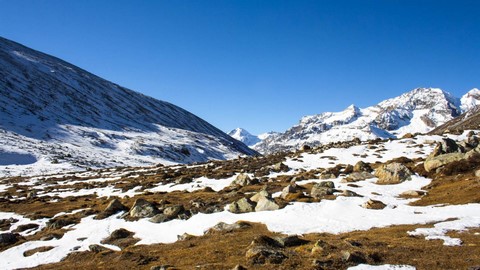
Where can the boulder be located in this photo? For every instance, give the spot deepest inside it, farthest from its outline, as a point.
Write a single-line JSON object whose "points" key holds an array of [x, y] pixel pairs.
{"points": [[158, 218], [265, 204], [264, 249], [446, 146], [183, 180], [280, 167], [292, 188], [358, 176], [97, 248], [362, 167], [393, 173], [322, 189], [8, 239], [373, 204], [290, 241], [353, 257], [224, 227], [260, 195], [349, 193], [243, 180], [413, 193], [434, 162], [172, 212], [142, 208], [243, 205], [113, 207]]}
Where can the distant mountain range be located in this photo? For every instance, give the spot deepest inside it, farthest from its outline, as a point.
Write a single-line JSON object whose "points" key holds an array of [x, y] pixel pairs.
{"points": [[56, 116], [418, 111]]}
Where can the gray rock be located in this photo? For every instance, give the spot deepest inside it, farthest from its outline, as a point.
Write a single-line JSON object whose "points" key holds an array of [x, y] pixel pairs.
{"points": [[413, 193], [264, 249], [373, 204], [97, 248], [8, 239], [280, 167], [260, 195], [353, 257], [243, 205], [172, 212], [349, 193], [290, 241], [393, 173], [362, 167], [435, 162], [320, 190], [265, 204], [292, 188], [142, 208], [113, 207], [158, 218], [243, 180], [224, 227], [358, 176], [325, 176]]}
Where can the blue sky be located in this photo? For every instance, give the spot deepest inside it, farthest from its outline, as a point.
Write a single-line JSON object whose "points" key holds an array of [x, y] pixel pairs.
{"points": [[261, 65]]}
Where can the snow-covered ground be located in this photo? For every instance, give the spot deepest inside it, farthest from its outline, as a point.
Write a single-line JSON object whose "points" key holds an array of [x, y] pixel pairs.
{"points": [[344, 214]]}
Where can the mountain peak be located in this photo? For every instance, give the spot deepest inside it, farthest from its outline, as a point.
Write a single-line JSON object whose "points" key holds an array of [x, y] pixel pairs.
{"points": [[244, 136], [471, 100]]}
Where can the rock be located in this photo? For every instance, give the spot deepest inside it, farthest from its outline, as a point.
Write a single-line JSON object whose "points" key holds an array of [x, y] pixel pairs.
{"points": [[185, 237], [393, 173], [292, 188], [55, 224], [25, 227], [413, 193], [280, 167], [265, 204], [477, 173], [158, 218], [261, 195], [325, 176], [243, 205], [31, 195], [239, 267], [446, 146], [142, 208], [119, 234], [373, 204], [305, 148], [7, 239], [113, 207], [183, 180], [172, 212], [358, 176], [435, 162], [264, 249], [362, 167], [407, 136], [97, 248], [349, 193], [320, 190], [224, 227], [328, 184], [243, 180], [353, 257], [348, 169], [290, 241]]}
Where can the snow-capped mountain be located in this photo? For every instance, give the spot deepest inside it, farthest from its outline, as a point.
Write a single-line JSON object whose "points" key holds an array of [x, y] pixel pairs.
{"points": [[471, 100], [55, 116], [419, 110], [244, 136]]}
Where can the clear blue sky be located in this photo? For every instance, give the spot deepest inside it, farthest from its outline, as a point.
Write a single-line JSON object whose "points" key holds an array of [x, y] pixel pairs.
{"points": [[261, 65]]}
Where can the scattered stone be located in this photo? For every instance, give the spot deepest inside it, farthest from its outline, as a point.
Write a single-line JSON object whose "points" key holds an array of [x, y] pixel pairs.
{"points": [[172, 212], [373, 204], [413, 193], [325, 176], [322, 189], [291, 188], [393, 173], [362, 167], [119, 234], [55, 224], [8, 239], [243, 205], [264, 249], [305, 148], [158, 218], [265, 204], [243, 180], [280, 167], [185, 237], [31, 195], [142, 208], [358, 176], [353, 257], [263, 194], [239, 267], [407, 136], [25, 227], [290, 241], [97, 248], [320, 247], [438, 161], [224, 227], [349, 193], [183, 180], [113, 207], [161, 267]]}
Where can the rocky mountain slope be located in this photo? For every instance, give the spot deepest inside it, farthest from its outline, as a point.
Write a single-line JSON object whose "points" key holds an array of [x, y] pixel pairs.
{"points": [[418, 111], [56, 115], [410, 203]]}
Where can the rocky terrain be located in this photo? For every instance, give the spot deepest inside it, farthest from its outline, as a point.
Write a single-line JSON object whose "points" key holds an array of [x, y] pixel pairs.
{"points": [[56, 117], [409, 203]]}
